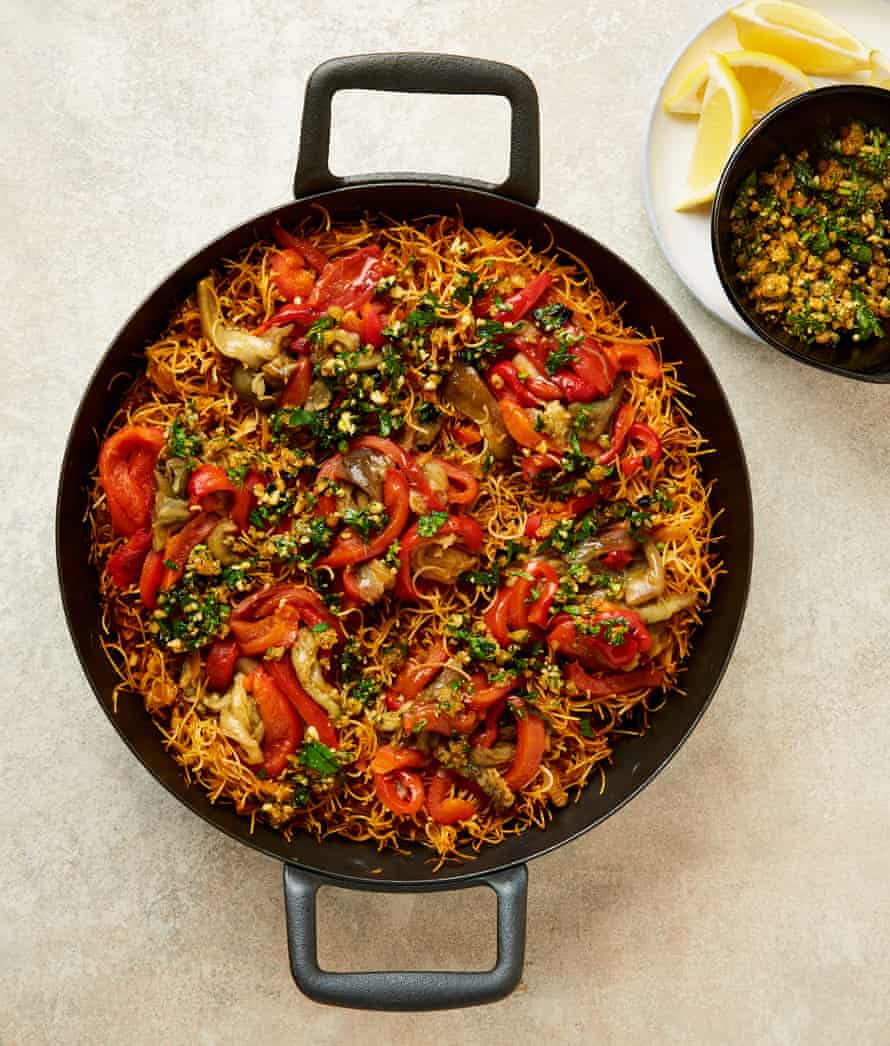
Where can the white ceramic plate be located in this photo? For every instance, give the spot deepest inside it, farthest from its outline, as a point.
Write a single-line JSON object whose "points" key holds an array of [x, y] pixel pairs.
{"points": [[685, 237]]}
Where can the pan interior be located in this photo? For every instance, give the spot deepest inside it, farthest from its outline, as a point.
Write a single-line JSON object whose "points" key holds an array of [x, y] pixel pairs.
{"points": [[637, 759]]}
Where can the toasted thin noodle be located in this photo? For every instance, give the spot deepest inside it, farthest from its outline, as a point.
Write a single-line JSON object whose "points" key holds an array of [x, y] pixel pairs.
{"points": [[182, 368]]}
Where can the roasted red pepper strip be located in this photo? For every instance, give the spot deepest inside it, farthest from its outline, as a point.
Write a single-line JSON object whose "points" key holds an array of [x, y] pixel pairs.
{"points": [[291, 278], [209, 479], [464, 528], [441, 808], [484, 694], [401, 791], [531, 739], [221, 660], [487, 734], [350, 281], [304, 600], [388, 758], [605, 684], [126, 472], [150, 579], [504, 380], [613, 638], [428, 718], [352, 550], [633, 358], [640, 432], [297, 388], [282, 729], [590, 375], [522, 302], [275, 630], [314, 257], [617, 559], [415, 674], [372, 325], [537, 465], [180, 545], [532, 594], [125, 563], [463, 487], [621, 424], [244, 501], [282, 672], [497, 617], [297, 313], [465, 434], [520, 426]]}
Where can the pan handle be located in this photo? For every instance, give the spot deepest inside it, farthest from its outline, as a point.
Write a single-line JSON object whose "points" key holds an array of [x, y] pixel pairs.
{"points": [[419, 73], [406, 989]]}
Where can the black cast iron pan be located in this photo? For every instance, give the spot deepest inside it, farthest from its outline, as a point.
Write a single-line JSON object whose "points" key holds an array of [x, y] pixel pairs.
{"points": [[509, 206]]}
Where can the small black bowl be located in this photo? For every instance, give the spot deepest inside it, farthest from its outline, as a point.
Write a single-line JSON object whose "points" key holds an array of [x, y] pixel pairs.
{"points": [[795, 125]]}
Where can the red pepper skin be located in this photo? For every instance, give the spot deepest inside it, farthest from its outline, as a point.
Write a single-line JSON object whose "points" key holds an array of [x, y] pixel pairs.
{"points": [[209, 479], [541, 577], [523, 301], [463, 487], [427, 719], [315, 258], [504, 381], [244, 501], [297, 388], [466, 529], [497, 617], [221, 660], [487, 734], [126, 472], [150, 579], [372, 325], [125, 563], [607, 684], [180, 545], [617, 559], [595, 651], [415, 674], [445, 810], [633, 359], [282, 729], [536, 466], [388, 791], [531, 737], [275, 630], [484, 694], [639, 432], [350, 281], [388, 758], [303, 600], [352, 550], [285, 678], [289, 274], [620, 425], [520, 426], [297, 313], [465, 434]]}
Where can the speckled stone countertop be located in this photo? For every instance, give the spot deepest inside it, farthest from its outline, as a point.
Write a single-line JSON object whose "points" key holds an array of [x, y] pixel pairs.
{"points": [[742, 898]]}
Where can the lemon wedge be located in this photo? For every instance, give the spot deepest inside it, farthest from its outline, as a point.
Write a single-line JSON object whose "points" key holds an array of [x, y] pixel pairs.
{"points": [[725, 117], [765, 79], [880, 70], [799, 35]]}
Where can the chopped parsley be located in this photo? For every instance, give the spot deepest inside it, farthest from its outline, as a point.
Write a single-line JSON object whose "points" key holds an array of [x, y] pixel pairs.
{"points": [[318, 757], [551, 317], [430, 524]]}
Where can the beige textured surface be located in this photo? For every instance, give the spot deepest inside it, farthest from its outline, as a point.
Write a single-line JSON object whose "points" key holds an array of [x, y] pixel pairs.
{"points": [[743, 898]]}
